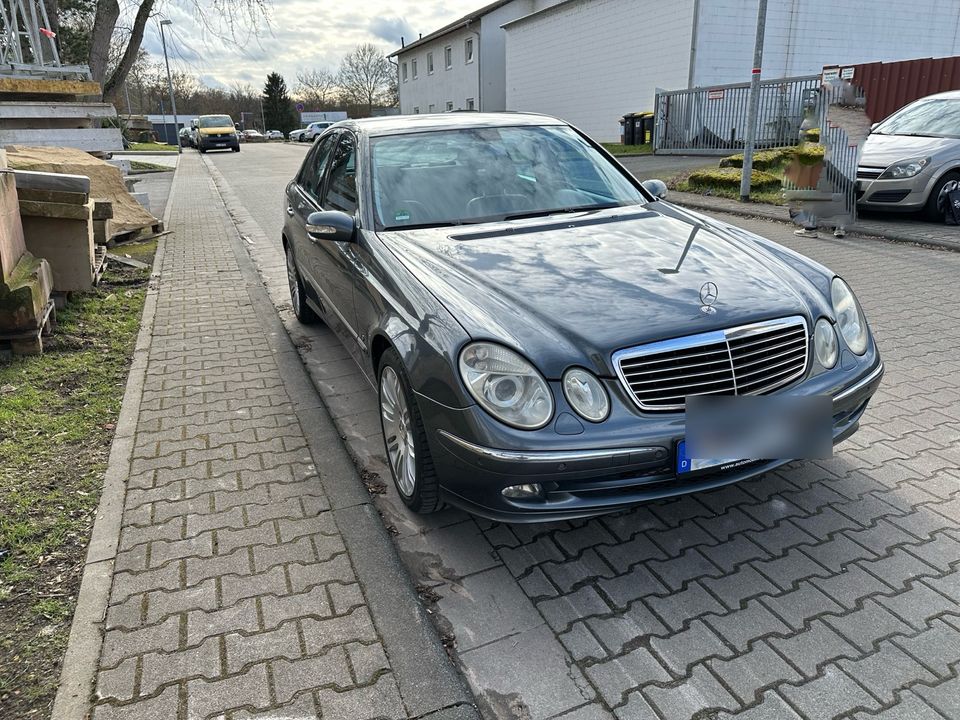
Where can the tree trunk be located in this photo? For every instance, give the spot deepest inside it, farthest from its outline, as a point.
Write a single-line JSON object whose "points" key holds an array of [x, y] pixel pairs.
{"points": [[104, 23], [119, 76]]}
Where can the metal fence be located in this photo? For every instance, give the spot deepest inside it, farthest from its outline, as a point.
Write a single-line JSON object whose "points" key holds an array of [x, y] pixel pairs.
{"points": [[713, 121]]}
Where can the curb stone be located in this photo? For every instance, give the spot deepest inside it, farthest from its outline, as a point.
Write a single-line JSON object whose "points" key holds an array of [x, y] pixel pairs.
{"points": [[82, 656]]}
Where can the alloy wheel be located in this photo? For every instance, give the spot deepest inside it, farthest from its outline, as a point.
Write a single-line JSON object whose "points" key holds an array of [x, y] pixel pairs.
{"points": [[294, 283], [398, 431]]}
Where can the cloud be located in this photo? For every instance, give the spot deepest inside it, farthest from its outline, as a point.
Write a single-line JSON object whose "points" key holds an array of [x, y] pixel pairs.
{"points": [[391, 29]]}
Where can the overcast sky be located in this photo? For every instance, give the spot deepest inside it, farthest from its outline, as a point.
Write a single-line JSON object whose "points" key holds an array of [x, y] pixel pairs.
{"points": [[298, 34]]}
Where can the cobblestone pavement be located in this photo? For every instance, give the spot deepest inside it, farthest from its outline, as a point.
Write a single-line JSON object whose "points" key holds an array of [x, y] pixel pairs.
{"points": [[824, 590], [235, 593]]}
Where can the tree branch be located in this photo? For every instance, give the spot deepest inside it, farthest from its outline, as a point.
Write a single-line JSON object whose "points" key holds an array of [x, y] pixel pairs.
{"points": [[112, 86]]}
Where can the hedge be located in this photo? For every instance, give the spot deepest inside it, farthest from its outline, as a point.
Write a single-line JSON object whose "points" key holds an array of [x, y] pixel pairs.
{"points": [[762, 159], [730, 178]]}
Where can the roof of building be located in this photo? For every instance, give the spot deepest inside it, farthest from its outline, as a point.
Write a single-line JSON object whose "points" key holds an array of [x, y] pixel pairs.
{"points": [[538, 13], [455, 25]]}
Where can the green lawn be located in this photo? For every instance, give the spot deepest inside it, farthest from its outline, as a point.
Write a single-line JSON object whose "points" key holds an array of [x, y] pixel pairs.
{"points": [[57, 418], [152, 147], [618, 149]]}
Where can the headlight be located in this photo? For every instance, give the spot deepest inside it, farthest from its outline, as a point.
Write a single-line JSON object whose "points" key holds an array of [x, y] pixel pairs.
{"points": [[825, 343], [850, 320], [586, 394], [506, 385], [905, 169]]}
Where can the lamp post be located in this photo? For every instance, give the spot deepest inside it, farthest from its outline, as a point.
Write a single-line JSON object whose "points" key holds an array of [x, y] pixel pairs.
{"points": [[754, 104], [173, 102]]}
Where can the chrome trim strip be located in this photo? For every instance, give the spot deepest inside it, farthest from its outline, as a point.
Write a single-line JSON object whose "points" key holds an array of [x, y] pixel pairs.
{"points": [[725, 336], [856, 387], [543, 456]]}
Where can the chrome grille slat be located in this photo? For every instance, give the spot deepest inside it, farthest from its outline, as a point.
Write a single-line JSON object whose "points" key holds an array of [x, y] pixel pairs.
{"points": [[748, 360]]}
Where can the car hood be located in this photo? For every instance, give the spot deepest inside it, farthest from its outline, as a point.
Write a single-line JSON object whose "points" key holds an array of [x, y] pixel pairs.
{"points": [[217, 130], [884, 150], [573, 289]]}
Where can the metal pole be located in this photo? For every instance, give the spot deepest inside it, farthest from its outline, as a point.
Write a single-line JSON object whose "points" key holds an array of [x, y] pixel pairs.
{"points": [[751, 136], [263, 118], [173, 101]]}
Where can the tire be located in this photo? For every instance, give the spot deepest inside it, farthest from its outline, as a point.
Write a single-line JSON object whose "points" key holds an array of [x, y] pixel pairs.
{"points": [[416, 480], [202, 149], [236, 149], [930, 211], [303, 312]]}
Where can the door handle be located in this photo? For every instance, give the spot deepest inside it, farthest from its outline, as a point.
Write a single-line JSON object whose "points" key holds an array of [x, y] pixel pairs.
{"points": [[290, 211]]}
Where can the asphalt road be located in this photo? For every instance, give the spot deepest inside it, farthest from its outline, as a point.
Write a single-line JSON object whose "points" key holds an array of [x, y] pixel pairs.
{"points": [[827, 589]]}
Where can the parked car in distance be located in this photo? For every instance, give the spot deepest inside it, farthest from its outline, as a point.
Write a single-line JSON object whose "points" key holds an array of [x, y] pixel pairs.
{"points": [[274, 135], [186, 140], [252, 136], [215, 132], [310, 132], [534, 318], [908, 157]]}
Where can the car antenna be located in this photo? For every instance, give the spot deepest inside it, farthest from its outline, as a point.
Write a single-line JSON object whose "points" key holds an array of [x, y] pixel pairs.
{"points": [[686, 248]]}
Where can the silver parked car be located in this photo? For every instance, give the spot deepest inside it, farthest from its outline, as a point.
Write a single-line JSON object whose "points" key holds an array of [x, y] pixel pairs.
{"points": [[909, 157]]}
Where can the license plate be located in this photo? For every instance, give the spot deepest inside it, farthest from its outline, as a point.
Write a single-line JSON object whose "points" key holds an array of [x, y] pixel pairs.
{"points": [[687, 466]]}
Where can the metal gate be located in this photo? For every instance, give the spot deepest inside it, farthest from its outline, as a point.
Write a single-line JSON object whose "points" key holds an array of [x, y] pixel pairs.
{"points": [[713, 121]]}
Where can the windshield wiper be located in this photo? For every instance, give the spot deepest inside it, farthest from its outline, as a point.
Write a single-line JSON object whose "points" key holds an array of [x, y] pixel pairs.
{"points": [[559, 211], [421, 226], [917, 135]]}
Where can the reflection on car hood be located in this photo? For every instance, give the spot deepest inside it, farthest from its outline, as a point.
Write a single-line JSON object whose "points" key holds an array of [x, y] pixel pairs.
{"points": [[884, 150], [575, 288]]}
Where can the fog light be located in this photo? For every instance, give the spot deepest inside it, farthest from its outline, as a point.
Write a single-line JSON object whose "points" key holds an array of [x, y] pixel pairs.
{"points": [[523, 491]]}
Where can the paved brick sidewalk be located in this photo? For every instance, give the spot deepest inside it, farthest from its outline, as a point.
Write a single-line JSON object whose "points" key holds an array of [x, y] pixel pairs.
{"points": [[235, 594]]}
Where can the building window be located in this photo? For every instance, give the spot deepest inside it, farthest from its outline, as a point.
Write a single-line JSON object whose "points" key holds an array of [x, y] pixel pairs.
{"points": [[470, 105], [468, 51], [429, 63], [416, 110], [448, 57], [403, 71], [413, 68], [432, 108], [449, 105]]}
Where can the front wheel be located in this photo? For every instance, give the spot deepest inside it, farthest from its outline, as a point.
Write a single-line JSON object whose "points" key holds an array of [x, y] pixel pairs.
{"points": [[405, 439], [236, 148], [303, 312], [930, 210]]}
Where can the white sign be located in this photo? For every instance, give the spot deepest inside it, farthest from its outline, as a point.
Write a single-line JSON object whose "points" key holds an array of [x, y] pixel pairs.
{"points": [[847, 73], [831, 75], [714, 94], [333, 116]]}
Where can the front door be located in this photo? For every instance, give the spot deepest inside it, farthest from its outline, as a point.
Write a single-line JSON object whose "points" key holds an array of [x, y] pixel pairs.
{"points": [[335, 263], [304, 199]]}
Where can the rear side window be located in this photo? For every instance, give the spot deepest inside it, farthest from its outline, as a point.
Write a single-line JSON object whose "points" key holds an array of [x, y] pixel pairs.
{"points": [[342, 189], [312, 173]]}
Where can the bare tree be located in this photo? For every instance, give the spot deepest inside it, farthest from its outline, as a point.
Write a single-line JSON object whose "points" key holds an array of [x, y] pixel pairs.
{"points": [[316, 88], [365, 75], [230, 20]]}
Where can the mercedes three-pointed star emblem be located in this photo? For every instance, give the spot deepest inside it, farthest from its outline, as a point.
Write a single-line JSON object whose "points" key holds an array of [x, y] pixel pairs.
{"points": [[708, 296]]}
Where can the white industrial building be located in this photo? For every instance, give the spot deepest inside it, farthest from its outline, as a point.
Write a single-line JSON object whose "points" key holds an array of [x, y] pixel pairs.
{"points": [[590, 61], [461, 66]]}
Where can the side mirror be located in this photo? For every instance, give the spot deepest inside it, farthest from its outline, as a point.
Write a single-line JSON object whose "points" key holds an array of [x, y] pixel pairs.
{"points": [[874, 127], [657, 188], [331, 225]]}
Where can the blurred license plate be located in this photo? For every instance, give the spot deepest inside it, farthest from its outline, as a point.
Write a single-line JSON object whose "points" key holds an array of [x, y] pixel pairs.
{"points": [[689, 466]]}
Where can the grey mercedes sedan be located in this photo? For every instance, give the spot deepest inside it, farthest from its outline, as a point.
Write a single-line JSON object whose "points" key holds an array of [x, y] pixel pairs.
{"points": [[535, 320]]}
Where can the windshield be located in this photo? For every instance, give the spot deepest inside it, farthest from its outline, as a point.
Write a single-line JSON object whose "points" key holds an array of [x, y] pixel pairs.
{"points": [[449, 177], [216, 121], [934, 118]]}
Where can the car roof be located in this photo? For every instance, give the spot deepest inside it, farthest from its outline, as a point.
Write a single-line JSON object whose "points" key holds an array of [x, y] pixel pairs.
{"points": [[393, 124]]}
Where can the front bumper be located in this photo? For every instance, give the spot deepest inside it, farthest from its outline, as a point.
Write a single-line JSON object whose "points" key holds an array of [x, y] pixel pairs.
{"points": [[585, 482], [900, 195], [217, 143]]}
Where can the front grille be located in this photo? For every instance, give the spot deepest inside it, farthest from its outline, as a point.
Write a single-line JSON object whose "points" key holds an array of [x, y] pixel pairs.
{"points": [[748, 360], [868, 173]]}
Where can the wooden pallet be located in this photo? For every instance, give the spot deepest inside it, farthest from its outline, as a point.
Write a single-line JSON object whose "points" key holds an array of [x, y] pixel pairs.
{"points": [[31, 343], [99, 263]]}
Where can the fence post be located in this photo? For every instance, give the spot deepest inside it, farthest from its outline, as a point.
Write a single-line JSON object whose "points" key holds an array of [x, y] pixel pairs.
{"points": [[754, 104]]}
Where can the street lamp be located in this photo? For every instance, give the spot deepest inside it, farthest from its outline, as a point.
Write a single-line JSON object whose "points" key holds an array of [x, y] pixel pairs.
{"points": [[173, 102]]}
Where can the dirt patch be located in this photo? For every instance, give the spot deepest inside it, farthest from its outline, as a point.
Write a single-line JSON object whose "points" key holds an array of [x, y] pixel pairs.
{"points": [[58, 413]]}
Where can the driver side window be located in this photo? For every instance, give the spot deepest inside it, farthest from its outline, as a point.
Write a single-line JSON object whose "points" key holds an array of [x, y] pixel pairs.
{"points": [[315, 167]]}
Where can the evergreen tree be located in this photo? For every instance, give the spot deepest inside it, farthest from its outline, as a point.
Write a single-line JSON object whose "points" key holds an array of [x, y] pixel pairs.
{"points": [[277, 106]]}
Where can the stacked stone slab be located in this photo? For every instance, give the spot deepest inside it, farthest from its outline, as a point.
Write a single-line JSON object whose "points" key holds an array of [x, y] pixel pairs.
{"points": [[57, 217], [26, 282]]}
